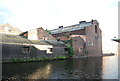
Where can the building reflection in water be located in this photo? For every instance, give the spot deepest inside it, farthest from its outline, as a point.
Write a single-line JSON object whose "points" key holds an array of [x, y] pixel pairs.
{"points": [[33, 70], [83, 68], [41, 73]]}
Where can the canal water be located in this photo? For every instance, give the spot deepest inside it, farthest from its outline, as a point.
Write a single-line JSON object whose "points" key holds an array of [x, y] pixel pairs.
{"points": [[83, 68]]}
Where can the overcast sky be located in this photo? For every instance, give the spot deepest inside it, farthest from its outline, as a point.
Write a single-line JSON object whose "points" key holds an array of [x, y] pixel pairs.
{"points": [[49, 14]]}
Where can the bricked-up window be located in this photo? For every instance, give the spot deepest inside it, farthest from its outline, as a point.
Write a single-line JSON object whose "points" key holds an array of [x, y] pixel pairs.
{"points": [[95, 29], [26, 49]]}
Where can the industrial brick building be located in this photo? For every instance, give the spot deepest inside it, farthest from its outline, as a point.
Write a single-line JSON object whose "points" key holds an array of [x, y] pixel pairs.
{"points": [[86, 40], [86, 37]]}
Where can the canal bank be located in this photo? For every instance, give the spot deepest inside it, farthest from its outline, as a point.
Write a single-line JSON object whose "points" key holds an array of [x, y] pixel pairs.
{"points": [[50, 58]]}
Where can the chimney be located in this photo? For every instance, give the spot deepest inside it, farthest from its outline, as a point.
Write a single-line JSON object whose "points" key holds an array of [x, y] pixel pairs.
{"points": [[60, 26], [92, 21], [82, 22]]}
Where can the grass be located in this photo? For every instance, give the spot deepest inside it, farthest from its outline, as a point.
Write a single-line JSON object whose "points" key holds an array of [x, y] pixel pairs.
{"points": [[34, 59]]}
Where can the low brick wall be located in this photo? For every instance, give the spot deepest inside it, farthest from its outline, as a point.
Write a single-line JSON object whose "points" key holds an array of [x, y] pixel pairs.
{"points": [[14, 51]]}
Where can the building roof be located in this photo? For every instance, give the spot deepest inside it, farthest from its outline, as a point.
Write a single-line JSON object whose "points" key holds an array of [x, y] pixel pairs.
{"points": [[79, 26], [9, 38], [55, 43], [117, 40], [16, 39]]}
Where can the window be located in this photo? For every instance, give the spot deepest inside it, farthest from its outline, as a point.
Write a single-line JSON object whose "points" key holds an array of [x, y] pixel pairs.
{"points": [[26, 49], [92, 44], [88, 43], [95, 29], [66, 49], [45, 38], [51, 49], [84, 45]]}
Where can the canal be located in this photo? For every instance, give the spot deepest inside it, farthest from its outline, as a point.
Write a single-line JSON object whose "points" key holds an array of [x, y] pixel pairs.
{"points": [[83, 68]]}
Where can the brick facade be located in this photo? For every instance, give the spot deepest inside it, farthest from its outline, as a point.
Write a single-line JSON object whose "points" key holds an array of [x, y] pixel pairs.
{"points": [[93, 39], [87, 39], [78, 45], [43, 35]]}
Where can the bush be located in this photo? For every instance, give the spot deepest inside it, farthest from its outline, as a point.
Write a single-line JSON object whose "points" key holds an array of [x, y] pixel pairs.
{"points": [[70, 50]]}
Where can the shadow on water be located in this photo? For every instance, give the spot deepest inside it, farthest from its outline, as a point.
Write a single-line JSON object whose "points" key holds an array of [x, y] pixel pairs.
{"points": [[83, 68]]}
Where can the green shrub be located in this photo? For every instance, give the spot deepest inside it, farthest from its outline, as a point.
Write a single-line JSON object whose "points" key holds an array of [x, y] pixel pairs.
{"points": [[70, 50]]}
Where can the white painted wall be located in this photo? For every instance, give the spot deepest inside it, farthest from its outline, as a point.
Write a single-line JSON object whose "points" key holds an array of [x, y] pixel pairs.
{"points": [[44, 47], [32, 34]]}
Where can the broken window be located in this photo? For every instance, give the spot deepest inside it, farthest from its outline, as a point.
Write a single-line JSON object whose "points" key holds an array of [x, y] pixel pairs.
{"points": [[66, 49], [51, 49], [26, 49], [95, 29]]}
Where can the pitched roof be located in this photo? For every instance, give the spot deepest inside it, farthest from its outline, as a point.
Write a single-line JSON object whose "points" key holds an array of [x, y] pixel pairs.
{"points": [[79, 26], [16, 39], [55, 43]]}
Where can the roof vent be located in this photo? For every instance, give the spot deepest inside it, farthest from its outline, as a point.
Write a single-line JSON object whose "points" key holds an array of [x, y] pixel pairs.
{"points": [[60, 26], [82, 22]]}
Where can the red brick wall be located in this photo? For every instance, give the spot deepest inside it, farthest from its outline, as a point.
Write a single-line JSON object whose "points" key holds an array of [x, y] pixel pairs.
{"points": [[93, 40], [58, 34], [78, 46], [64, 38], [76, 32], [43, 35]]}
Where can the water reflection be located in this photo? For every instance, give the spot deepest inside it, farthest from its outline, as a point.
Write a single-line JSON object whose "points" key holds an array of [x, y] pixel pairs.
{"points": [[110, 67], [41, 73], [84, 68]]}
